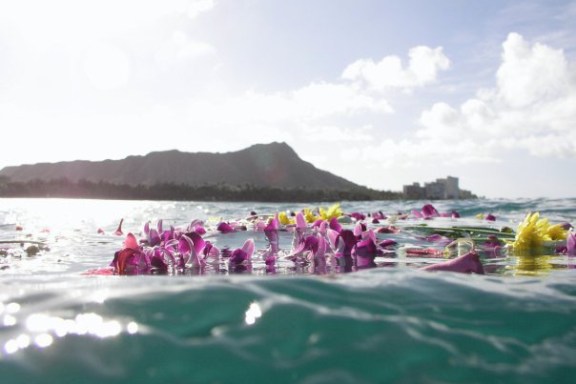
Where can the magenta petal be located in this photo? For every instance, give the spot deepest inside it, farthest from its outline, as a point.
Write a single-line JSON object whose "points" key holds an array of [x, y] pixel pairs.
{"points": [[387, 243], [224, 227], [198, 241], [333, 238], [311, 243], [428, 210], [571, 244], [417, 214], [131, 242], [467, 263], [349, 240], [357, 216], [147, 228], [153, 238], [358, 229], [322, 246], [335, 225], [249, 248], [439, 239], [300, 221], [210, 251], [238, 256]]}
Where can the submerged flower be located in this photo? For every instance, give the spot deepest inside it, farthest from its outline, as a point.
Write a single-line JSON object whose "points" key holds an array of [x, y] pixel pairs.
{"points": [[467, 263]]}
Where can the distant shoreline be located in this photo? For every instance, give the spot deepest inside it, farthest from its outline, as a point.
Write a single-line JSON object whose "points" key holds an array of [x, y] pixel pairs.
{"points": [[64, 188]]}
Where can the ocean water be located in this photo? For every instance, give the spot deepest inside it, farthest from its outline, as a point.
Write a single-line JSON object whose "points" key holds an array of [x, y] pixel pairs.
{"points": [[392, 323]]}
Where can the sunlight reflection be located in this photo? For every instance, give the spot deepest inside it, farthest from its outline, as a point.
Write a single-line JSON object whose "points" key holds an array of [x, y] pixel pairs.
{"points": [[43, 340], [253, 313], [132, 328], [12, 308], [42, 329], [9, 320], [83, 324]]}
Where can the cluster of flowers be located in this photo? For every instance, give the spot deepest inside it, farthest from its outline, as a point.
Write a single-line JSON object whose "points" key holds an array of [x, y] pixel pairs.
{"points": [[325, 239]]}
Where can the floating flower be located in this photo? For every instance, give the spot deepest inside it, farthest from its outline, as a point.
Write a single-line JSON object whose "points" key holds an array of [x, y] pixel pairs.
{"points": [[366, 250], [571, 244], [244, 254], [271, 233], [224, 227], [118, 231], [129, 259], [191, 247], [557, 232], [534, 232], [357, 216], [284, 219], [334, 211]]}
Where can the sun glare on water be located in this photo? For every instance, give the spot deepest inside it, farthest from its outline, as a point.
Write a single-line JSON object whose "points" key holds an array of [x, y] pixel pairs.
{"points": [[55, 215]]}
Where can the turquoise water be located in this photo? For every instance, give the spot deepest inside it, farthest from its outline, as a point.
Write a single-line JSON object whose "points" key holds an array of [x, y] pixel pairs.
{"points": [[393, 323]]}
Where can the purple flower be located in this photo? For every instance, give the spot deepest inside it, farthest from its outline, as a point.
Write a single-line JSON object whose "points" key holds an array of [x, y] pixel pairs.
{"points": [[197, 226], [244, 254], [224, 228], [191, 246], [366, 250], [571, 243], [342, 244], [271, 233], [492, 245], [379, 216], [335, 225], [130, 259], [438, 239], [387, 243], [429, 211], [311, 249], [357, 216], [211, 252]]}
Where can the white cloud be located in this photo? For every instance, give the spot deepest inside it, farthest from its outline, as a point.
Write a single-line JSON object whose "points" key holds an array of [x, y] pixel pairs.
{"points": [[43, 23], [180, 48], [197, 7], [531, 74], [423, 67], [107, 66], [531, 107], [305, 112]]}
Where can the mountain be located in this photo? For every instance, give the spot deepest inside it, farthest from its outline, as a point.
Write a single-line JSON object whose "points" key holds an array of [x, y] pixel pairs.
{"points": [[262, 165]]}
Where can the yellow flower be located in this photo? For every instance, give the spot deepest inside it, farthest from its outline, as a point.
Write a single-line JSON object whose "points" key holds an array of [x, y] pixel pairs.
{"points": [[309, 216], [557, 232], [333, 211], [532, 233], [284, 219]]}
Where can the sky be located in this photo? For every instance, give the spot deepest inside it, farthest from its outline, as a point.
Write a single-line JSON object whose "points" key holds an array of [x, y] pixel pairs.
{"points": [[381, 92]]}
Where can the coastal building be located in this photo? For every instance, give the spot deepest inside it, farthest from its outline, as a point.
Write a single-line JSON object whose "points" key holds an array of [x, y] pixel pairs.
{"points": [[441, 189]]}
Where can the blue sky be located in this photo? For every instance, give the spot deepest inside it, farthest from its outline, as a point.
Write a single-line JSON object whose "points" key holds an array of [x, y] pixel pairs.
{"points": [[383, 93]]}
